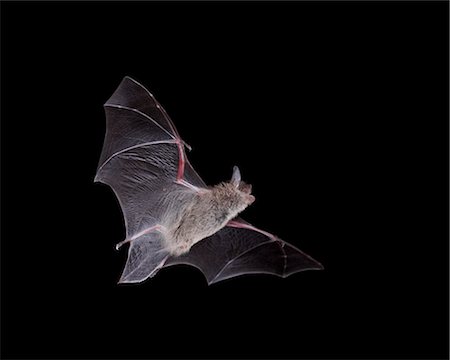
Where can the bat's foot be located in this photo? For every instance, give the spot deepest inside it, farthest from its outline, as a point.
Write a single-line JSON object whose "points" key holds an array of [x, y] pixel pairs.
{"points": [[119, 245]]}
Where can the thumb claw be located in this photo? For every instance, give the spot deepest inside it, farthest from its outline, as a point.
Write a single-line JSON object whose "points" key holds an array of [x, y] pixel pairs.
{"points": [[187, 145]]}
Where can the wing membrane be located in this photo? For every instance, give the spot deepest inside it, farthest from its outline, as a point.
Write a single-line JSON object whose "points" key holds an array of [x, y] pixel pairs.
{"points": [[146, 256], [236, 250], [141, 156], [132, 94], [140, 179]]}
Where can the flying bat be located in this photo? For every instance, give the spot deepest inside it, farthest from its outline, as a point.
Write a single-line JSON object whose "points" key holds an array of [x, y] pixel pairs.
{"points": [[171, 216]]}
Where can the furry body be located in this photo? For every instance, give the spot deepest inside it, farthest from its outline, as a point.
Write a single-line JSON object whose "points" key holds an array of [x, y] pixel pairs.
{"points": [[203, 214]]}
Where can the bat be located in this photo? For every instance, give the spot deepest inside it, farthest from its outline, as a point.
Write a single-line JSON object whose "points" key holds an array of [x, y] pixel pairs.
{"points": [[171, 216]]}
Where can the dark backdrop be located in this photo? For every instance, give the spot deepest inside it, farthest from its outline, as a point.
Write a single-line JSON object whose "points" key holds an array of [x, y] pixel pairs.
{"points": [[337, 113]]}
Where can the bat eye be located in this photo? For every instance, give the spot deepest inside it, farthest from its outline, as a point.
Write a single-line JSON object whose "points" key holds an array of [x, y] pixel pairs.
{"points": [[245, 188]]}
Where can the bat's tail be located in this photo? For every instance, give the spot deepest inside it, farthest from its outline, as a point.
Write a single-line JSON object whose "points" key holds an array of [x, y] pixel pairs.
{"points": [[146, 255]]}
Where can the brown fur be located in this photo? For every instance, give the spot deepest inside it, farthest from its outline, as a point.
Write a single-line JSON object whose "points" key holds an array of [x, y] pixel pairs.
{"points": [[208, 212]]}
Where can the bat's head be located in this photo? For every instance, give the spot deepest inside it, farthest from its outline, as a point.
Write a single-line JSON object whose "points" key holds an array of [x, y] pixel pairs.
{"points": [[234, 195], [231, 197], [239, 190]]}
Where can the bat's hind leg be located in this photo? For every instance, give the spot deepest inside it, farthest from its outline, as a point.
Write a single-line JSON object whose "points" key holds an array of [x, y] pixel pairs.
{"points": [[119, 245], [157, 227]]}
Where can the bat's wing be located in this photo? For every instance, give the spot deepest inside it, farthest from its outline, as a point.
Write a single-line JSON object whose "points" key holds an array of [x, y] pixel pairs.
{"points": [[239, 249], [143, 159]]}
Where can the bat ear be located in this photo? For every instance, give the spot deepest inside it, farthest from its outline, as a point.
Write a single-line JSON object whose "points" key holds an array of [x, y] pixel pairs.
{"points": [[236, 177]]}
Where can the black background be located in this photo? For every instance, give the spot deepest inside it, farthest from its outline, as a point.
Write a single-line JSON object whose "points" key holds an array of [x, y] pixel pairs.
{"points": [[337, 113]]}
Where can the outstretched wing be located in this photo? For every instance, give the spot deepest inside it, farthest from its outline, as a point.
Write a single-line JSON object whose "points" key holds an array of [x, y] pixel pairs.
{"points": [[239, 249], [143, 159], [143, 156]]}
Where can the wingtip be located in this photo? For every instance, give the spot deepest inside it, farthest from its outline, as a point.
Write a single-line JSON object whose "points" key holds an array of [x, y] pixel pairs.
{"points": [[127, 77], [315, 265], [319, 266]]}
